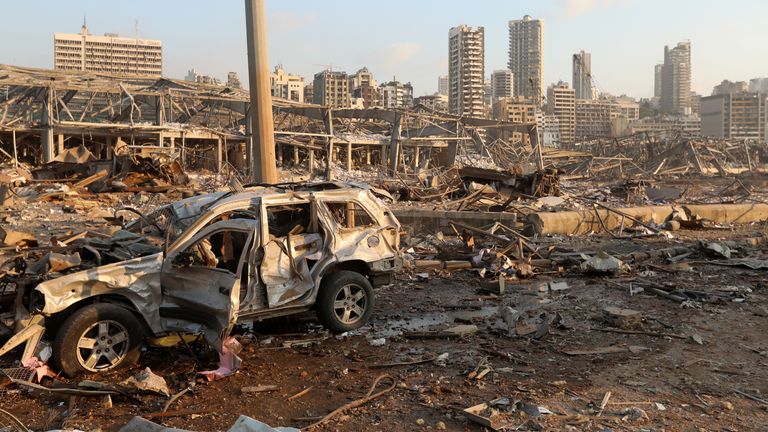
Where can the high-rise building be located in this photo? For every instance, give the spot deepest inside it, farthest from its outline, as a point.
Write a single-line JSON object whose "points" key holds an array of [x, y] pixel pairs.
{"points": [[561, 103], [657, 71], [332, 89], [582, 75], [466, 71], [735, 116], [107, 54], [395, 94], [526, 57], [363, 86], [442, 85], [676, 79], [286, 86], [502, 85]]}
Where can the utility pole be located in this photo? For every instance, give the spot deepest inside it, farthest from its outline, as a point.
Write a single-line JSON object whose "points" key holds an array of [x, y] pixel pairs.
{"points": [[262, 139]]}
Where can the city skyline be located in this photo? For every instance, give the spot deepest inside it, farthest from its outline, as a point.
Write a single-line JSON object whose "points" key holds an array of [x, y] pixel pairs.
{"points": [[625, 37]]}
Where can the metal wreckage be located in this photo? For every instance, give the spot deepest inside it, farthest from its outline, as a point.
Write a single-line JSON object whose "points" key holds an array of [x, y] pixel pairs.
{"points": [[198, 266]]}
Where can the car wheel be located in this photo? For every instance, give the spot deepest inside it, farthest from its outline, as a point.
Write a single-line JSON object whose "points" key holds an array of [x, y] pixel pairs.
{"points": [[97, 338], [345, 301]]}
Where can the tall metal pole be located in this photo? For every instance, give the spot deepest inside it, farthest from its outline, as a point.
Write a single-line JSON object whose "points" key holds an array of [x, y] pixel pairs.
{"points": [[263, 167]]}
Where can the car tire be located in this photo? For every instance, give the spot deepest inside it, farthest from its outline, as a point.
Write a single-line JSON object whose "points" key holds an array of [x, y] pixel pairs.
{"points": [[97, 338], [345, 301]]}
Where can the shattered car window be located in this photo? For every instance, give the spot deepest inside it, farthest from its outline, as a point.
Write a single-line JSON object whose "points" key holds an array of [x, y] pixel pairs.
{"points": [[288, 219], [350, 214], [219, 250]]}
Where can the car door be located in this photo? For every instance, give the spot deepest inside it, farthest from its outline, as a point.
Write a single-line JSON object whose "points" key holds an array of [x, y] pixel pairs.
{"points": [[201, 279], [292, 243], [357, 235]]}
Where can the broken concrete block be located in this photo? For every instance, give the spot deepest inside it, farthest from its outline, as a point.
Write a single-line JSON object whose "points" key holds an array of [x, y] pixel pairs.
{"points": [[604, 263], [17, 238], [59, 262], [623, 318], [147, 380], [462, 330], [559, 286]]}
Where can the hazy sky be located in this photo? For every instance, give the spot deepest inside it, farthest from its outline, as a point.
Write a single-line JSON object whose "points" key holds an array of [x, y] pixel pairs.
{"points": [[409, 39]]}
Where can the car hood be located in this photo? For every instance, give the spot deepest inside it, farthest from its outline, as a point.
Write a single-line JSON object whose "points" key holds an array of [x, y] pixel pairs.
{"points": [[136, 281]]}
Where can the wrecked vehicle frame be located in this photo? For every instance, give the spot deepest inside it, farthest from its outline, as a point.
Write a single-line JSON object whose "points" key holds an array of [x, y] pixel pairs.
{"points": [[201, 264]]}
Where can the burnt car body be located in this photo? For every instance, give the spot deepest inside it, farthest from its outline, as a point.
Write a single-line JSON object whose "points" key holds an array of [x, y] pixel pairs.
{"points": [[218, 258]]}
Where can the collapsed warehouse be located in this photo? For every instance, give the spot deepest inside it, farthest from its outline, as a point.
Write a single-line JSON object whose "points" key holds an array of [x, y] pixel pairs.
{"points": [[577, 289]]}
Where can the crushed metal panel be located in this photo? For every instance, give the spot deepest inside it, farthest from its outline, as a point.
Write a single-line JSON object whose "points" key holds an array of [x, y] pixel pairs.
{"points": [[138, 280], [287, 280]]}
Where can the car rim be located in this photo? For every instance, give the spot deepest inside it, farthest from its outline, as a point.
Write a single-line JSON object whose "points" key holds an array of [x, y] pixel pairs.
{"points": [[350, 303], [102, 346]]}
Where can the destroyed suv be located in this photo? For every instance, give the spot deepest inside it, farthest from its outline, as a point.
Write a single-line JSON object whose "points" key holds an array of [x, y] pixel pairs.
{"points": [[258, 253]]}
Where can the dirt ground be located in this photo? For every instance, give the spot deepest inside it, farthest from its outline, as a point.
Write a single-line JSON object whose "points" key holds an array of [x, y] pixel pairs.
{"points": [[687, 367]]}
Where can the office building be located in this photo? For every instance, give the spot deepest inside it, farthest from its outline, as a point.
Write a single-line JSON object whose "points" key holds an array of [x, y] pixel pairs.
{"points": [[594, 117], [526, 57], [676, 79], [735, 116], [466, 71], [332, 89], [107, 54], [582, 75]]}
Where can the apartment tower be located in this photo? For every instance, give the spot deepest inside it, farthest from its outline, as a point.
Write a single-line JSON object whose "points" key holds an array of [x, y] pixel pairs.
{"points": [[561, 103], [331, 89], [526, 57], [466, 71], [502, 85], [676, 79]]}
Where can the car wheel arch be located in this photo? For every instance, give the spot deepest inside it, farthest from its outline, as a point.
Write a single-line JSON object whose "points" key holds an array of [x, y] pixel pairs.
{"points": [[114, 299]]}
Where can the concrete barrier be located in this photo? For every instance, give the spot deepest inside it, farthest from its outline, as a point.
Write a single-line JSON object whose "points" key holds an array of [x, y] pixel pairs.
{"points": [[431, 221], [729, 213], [586, 221]]}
